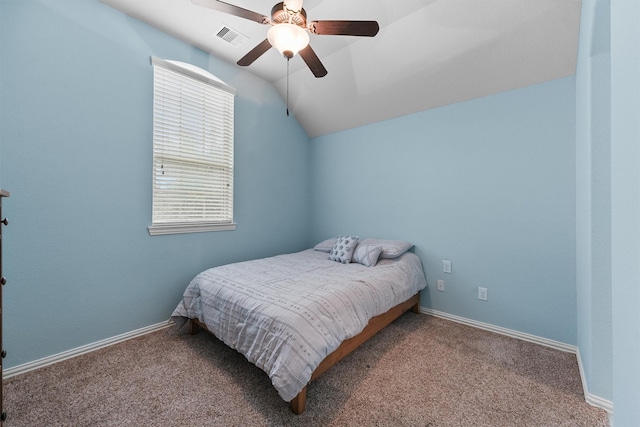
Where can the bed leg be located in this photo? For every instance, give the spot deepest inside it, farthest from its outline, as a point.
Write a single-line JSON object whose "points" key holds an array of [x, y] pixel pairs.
{"points": [[193, 328], [416, 307], [298, 403]]}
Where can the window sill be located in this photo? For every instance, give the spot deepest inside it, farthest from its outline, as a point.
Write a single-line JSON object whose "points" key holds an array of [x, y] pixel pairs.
{"points": [[160, 229]]}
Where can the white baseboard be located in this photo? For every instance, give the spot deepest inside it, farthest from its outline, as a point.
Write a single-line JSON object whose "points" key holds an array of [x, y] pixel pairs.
{"points": [[591, 399], [503, 331], [50, 360]]}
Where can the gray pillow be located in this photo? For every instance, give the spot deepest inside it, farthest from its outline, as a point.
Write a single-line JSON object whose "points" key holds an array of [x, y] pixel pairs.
{"points": [[390, 248], [366, 254], [326, 245], [342, 250]]}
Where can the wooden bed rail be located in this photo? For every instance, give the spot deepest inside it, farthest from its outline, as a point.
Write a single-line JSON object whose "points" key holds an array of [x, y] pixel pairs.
{"points": [[375, 325]]}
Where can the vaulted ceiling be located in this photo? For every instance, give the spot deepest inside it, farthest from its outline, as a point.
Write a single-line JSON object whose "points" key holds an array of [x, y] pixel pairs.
{"points": [[428, 53]]}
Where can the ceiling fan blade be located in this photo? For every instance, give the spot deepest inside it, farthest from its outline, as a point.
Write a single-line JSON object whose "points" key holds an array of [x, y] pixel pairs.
{"points": [[255, 53], [313, 62], [345, 28], [221, 6]]}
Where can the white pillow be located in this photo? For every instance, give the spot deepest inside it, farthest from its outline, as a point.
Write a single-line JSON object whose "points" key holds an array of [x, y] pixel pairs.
{"points": [[342, 250], [326, 245], [390, 248], [366, 254]]}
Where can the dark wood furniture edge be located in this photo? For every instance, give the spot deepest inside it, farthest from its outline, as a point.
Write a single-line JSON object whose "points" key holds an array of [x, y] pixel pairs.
{"points": [[3, 280], [375, 325]]}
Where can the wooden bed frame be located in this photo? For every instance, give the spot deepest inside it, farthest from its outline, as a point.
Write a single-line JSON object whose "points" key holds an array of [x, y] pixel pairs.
{"points": [[374, 326]]}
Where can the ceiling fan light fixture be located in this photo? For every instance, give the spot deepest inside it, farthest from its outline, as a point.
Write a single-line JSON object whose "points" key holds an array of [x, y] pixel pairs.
{"points": [[289, 39]]}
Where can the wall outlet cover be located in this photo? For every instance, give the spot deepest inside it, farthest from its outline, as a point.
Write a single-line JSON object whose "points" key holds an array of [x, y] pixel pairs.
{"points": [[446, 266]]}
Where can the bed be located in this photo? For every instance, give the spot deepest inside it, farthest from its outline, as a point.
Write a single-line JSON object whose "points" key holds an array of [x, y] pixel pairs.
{"points": [[296, 315]]}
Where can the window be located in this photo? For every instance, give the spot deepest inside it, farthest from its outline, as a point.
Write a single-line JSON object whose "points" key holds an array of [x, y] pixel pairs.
{"points": [[192, 150]]}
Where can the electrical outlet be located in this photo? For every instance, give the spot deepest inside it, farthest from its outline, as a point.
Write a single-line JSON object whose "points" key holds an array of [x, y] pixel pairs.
{"points": [[482, 294], [441, 285], [446, 266]]}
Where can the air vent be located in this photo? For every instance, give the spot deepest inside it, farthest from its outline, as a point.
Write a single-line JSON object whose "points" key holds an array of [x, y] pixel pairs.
{"points": [[231, 36]]}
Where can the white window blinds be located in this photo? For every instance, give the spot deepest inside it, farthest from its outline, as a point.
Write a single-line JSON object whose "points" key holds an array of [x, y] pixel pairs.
{"points": [[192, 150]]}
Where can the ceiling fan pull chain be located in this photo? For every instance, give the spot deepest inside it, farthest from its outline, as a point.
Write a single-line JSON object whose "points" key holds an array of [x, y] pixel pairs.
{"points": [[288, 59]]}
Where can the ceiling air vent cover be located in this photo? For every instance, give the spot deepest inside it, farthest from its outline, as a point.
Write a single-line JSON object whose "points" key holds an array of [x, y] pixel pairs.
{"points": [[231, 36]]}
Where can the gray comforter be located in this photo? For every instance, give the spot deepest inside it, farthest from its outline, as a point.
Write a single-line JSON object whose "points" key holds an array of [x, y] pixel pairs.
{"points": [[286, 313]]}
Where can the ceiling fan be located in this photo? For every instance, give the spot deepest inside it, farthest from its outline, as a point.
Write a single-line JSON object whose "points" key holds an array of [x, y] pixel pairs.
{"points": [[289, 31]]}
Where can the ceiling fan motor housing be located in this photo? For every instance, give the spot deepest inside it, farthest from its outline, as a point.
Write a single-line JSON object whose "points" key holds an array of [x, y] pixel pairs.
{"points": [[280, 15]]}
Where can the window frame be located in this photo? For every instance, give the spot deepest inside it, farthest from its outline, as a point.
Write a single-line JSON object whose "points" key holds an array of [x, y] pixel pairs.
{"points": [[210, 85]]}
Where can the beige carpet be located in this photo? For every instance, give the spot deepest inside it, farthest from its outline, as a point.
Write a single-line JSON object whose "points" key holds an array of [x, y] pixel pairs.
{"points": [[419, 371]]}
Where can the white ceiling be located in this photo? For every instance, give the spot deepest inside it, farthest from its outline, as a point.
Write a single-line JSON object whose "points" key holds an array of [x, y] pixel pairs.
{"points": [[428, 53]]}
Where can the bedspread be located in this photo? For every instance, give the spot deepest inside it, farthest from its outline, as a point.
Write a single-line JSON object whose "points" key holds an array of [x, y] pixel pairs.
{"points": [[286, 313]]}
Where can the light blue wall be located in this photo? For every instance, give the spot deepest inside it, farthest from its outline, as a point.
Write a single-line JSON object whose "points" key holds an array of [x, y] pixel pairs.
{"points": [[1, 95], [593, 213], [76, 122], [625, 209], [488, 184]]}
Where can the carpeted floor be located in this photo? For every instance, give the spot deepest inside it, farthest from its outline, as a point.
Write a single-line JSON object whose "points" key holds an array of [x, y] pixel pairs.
{"points": [[419, 371]]}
